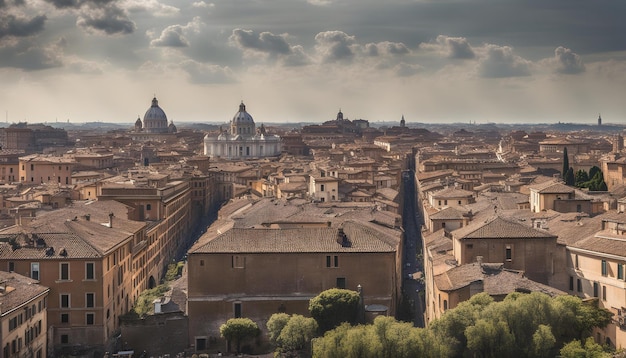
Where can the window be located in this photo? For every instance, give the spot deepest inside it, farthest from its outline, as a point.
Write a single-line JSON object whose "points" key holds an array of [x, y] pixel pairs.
{"points": [[322, 187], [604, 293], [148, 207], [200, 344], [90, 271], [595, 289], [332, 261], [459, 202], [576, 261], [201, 262], [238, 261], [445, 305], [65, 339], [604, 268], [571, 283], [90, 318], [65, 318], [439, 203], [34, 270], [65, 300], [579, 285], [445, 202], [237, 307], [11, 266], [341, 282], [90, 299], [620, 271], [64, 271], [508, 253]]}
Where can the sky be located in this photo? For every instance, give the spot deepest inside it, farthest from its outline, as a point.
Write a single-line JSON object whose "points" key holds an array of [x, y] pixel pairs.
{"points": [[488, 61]]}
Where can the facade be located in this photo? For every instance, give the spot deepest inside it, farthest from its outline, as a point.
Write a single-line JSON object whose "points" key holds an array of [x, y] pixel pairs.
{"points": [[450, 196], [243, 140], [23, 323], [596, 270], [39, 169], [87, 254], [9, 165], [545, 196], [324, 189], [254, 273]]}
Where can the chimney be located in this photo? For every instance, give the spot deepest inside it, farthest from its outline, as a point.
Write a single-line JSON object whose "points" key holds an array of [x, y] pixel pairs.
{"points": [[87, 217], [479, 259], [342, 238], [111, 219]]}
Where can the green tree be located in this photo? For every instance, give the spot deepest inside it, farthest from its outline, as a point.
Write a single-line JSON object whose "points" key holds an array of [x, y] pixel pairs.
{"points": [[297, 333], [543, 341], [581, 177], [565, 163], [490, 339], [275, 325], [333, 307], [593, 171], [575, 349], [239, 330], [569, 177]]}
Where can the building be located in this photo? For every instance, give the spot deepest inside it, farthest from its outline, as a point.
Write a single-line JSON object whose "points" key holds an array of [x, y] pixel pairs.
{"points": [[154, 126], [243, 140], [254, 273], [92, 258], [544, 196], [23, 323], [39, 169], [450, 196]]}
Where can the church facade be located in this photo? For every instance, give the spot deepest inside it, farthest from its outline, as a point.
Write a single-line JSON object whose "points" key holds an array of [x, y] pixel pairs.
{"points": [[242, 140]]}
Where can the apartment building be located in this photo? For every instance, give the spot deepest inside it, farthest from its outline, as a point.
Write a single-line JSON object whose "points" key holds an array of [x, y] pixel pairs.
{"points": [[39, 169], [23, 324], [87, 255]]}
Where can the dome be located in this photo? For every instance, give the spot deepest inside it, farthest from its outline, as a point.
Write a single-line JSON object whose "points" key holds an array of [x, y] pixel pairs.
{"points": [[242, 116], [155, 120]]}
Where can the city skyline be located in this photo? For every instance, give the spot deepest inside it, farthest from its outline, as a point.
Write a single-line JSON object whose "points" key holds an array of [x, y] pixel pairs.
{"points": [[443, 61]]}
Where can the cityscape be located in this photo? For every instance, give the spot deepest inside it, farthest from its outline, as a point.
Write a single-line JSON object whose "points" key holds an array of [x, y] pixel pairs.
{"points": [[148, 239], [316, 178]]}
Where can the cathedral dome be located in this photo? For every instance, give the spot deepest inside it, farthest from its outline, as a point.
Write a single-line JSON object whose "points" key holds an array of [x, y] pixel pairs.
{"points": [[242, 116], [155, 120]]}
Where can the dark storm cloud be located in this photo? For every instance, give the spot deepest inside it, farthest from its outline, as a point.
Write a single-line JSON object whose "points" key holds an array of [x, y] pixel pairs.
{"points": [[567, 61], [172, 36], [499, 62], [334, 46], [457, 47], [10, 25], [28, 56], [263, 42], [108, 19]]}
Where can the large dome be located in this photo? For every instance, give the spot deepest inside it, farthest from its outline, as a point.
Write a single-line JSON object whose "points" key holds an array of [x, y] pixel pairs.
{"points": [[242, 116], [155, 120]]}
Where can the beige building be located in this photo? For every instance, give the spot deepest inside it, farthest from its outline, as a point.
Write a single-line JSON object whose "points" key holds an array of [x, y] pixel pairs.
{"points": [[38, 169], [596, 268], [324, 189], [450, 196], [543, 196], [87, 254], [23, 324], [254, 273]]}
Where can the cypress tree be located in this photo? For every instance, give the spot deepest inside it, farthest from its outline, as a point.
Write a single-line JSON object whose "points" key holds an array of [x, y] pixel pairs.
{"points": [[565, 164]]}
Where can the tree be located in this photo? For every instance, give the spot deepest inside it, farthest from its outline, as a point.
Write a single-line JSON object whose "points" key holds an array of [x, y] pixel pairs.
{"points": [[569, 177], [593, 170], [543, 341], [333, 307], [239, 330], [565, 163], [574, 349], [275, 325], [490, 339], [581, 177], [297, 333]]}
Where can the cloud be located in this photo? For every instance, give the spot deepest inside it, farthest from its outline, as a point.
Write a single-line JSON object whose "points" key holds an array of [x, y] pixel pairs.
{"points": [[499, 62], [28, 56], [152, 7], [386, 48], [201, 73], [567, 62], [203, 4], [108, 19], [333, 46], [10, 25], [406, 70], [172, 36], [451, 47], [265, 42]]}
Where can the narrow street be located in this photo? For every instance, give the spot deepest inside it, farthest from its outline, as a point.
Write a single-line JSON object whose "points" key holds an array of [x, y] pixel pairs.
{"points": [[412, 267]]}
